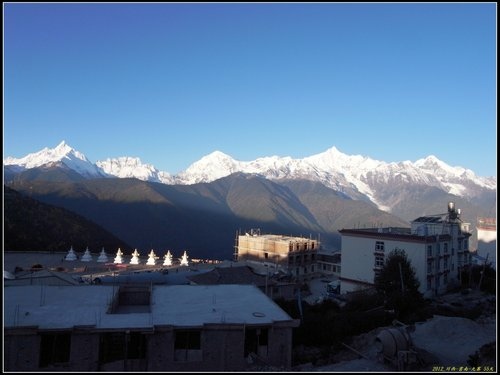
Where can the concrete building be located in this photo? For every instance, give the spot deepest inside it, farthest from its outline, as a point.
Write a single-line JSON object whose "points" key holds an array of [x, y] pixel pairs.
{"points": [[329, 262], [437, 247], [138, 328], [294, 255]]}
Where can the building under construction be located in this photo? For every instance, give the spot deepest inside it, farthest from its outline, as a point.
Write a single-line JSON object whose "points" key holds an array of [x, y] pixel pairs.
{"points": [[294, 255]]}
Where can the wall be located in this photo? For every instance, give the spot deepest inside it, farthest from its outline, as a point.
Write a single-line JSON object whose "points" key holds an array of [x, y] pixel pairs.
{"points": [[222, 349], [358, 261]]}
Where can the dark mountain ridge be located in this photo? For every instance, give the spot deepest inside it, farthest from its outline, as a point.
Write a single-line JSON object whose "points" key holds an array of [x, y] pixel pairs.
{"points": [[30, 225], [204, 218]]}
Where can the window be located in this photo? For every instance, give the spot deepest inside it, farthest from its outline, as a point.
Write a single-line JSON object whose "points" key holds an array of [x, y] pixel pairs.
{"points": [[445, 264], [438, 264], [266, 255], [445, 278], [256, 341], [54, 348], [438, 248], [429, 283], [187, 346], [379, 261], [136, 346], [466, 246], [452, 251], [429, 250], [429, 266], [445, 248], [379, 247], [115, 346]]}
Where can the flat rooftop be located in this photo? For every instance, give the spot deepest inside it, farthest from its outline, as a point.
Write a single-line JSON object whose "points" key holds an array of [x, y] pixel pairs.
{"points": [[64, 307], [279, 237]]}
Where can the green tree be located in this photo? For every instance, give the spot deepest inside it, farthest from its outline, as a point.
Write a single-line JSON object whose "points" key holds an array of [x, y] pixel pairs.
{"points": [[399, 285]]}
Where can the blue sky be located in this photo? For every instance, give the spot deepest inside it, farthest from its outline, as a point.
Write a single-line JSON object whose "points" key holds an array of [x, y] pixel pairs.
{"points": [[170, 83]]}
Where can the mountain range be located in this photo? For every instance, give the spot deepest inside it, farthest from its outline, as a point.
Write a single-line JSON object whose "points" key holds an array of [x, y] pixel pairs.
{"points": [[218, 194], [357, 176]]}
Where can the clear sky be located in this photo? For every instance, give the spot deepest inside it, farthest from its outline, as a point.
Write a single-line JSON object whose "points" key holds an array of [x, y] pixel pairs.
{"points": [[170, 83]]}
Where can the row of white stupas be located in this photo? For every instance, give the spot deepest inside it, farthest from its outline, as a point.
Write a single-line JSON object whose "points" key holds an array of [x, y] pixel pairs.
{"points": [[87, 257]]}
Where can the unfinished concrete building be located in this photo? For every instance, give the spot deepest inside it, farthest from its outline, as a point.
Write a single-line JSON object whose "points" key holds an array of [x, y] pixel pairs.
{"points": [[295, 255], [144, 328]]}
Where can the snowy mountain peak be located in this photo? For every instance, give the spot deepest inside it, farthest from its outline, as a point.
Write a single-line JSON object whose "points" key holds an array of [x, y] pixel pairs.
{"points": [[63, 147], [61, 154], [430, 161], [216, 156], [356, 176], [432, 164], [209, 168], [132, 167]]}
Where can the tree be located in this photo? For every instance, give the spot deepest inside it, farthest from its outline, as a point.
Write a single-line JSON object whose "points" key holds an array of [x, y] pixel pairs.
{"points": [[398, 283]]}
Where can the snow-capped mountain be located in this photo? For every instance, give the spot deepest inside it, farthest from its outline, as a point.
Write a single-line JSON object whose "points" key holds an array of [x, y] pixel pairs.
{"points": [[126, 167], [209, 168], [62, 155], [353, 175], [358, 177]]}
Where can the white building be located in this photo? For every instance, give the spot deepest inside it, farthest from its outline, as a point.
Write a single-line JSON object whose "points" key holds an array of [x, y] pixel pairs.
{"points": [[437, 247]]}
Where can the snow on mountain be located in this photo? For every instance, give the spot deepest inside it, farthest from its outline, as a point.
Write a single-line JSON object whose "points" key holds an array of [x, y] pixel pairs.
{"points": [[354, 175], [63, 154], [209, 168], [128, 167], [359, 177]]}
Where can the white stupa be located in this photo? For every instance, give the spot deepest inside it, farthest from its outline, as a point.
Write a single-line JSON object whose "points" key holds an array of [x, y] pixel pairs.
{"points": [[152, 258], [167, 259], [71, 255], [103, 258], [87, 257], [118, 258], [135, 257], [184, 259]]}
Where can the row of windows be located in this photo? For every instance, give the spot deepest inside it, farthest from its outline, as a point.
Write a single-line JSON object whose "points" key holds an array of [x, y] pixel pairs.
{"points": [[296, 246], [304, 258], [437, 281], [114, 346], [436, 265], [438, 250], [297, 270], [331, 267]]}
